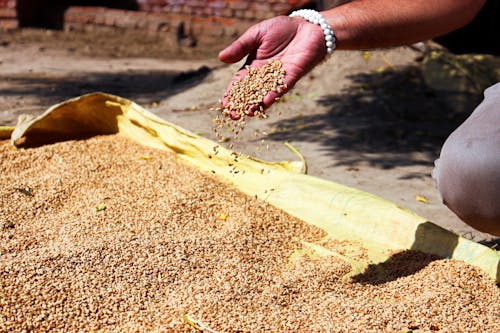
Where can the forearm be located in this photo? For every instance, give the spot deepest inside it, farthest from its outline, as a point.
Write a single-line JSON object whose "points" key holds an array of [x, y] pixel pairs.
{"points": [[365, 24]]}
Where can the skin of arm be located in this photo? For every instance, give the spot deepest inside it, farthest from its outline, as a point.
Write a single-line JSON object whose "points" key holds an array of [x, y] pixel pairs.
{"points": [[360, 24], [366, 24]]}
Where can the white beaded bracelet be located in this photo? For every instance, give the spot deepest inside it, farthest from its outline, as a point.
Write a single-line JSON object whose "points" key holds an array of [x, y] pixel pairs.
{"points": [[316, 18]]}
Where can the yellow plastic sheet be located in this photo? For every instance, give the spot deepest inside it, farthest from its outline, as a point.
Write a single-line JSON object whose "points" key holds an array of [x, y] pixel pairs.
{"points": [[343, 212], [5, 132]]}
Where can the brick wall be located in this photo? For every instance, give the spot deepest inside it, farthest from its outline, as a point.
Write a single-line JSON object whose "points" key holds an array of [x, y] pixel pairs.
{"points": [[252, 10], [185, 18]]}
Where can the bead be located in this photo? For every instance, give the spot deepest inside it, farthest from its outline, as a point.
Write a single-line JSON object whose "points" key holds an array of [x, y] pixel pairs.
{"points": [[316, 18]]}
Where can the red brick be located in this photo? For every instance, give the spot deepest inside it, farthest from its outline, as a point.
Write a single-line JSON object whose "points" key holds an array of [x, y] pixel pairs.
{"points": [[298, 3], [83, 10], [186, 10], [157, 16], [241, 13], [176, 9], [249, 15], [7, 3], [77, 16], [223, 12], [281, 8], [158, 22], [139, 15], [100, 18], [261, 6], [216, 4], [207, 11], [214, 30], [126, 21], [211, 12], [261, 15], [176, 2], [159, 3], [144, 7], [8, 24], [8, 13], [238, 4], [231, 31], [196, 3], [109, 20], [117, 12]]}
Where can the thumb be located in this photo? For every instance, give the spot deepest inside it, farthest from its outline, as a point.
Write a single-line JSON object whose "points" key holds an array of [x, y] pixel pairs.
{"points": [[248, 42]]}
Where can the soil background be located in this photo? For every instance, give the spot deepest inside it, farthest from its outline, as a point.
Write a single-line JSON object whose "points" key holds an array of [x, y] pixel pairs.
{"points": [[363, 119]]}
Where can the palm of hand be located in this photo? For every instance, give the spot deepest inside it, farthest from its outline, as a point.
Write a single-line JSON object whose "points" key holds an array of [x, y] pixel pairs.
{"points": [[298, 44]]}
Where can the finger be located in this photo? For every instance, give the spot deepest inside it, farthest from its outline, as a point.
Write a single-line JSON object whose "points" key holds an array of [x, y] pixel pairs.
{"points": [[250, 60], [246, 44], [233, 115]]}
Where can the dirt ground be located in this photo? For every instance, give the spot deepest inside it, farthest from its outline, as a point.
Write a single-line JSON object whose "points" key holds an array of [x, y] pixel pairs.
{"points": [[363, 119]]}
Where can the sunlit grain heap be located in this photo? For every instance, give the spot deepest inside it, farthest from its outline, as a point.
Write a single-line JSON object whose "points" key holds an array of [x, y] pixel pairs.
{"points": [[106, 235]]}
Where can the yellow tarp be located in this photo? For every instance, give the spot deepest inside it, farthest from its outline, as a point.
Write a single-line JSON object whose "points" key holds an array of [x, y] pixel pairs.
{"points": [[343, 212]]}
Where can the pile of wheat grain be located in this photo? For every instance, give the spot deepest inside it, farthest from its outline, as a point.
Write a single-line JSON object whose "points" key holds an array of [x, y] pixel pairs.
{"points": [[105, 234]]}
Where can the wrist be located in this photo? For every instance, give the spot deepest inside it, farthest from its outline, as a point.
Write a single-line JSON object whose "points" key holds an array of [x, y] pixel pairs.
{"points": [[315, 17]]}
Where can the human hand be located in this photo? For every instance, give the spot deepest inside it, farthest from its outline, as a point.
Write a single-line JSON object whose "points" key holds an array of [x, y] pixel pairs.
{"points": [[298, 44]]}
